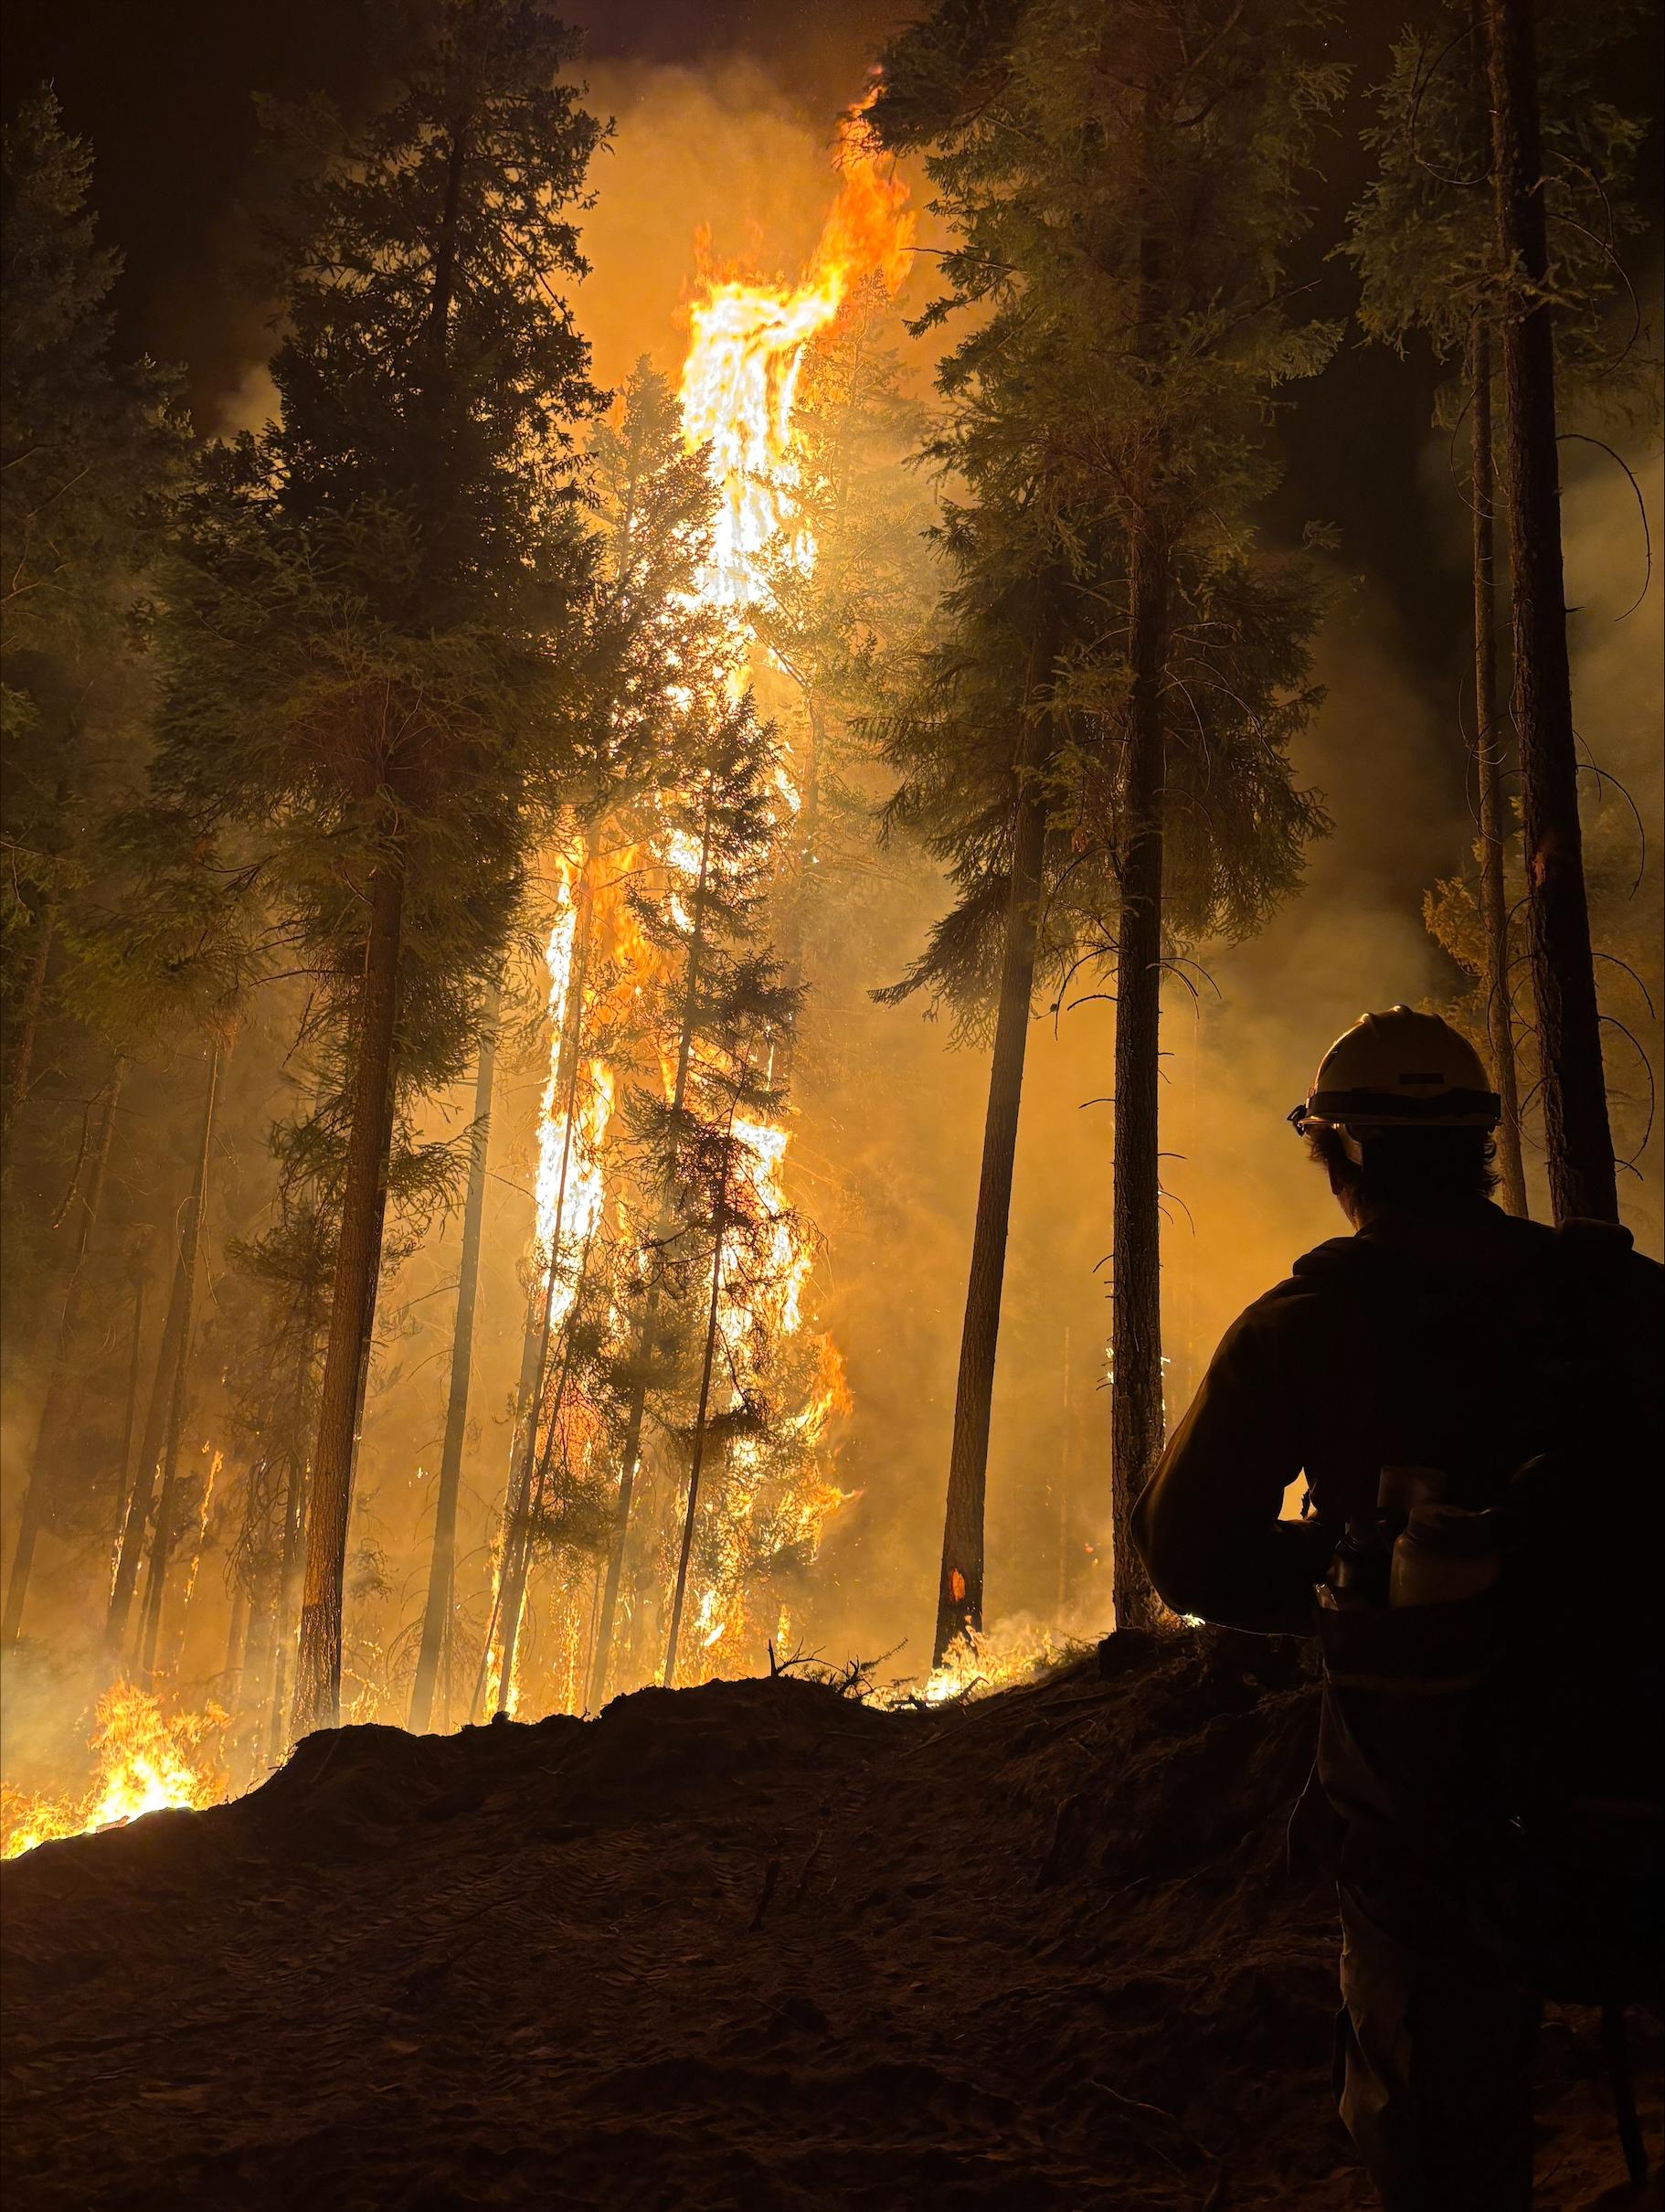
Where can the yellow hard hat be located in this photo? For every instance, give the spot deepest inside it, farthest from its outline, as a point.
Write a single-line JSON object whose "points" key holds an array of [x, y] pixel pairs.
{"points": [[1399, 1070]]}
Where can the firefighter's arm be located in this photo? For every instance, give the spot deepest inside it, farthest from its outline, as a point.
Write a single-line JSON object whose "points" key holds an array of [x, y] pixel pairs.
{"points": [[1207, 1523]]}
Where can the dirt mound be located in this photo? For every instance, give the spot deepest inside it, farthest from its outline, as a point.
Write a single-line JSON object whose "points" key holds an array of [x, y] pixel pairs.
{"points": [[751, 1945]]}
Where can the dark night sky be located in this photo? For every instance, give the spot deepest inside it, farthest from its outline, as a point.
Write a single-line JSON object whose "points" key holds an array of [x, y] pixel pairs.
{"points": [[164, 92]]}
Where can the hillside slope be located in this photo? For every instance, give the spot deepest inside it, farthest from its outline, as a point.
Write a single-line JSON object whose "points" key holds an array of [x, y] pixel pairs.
{"points": [[751, 1945]]}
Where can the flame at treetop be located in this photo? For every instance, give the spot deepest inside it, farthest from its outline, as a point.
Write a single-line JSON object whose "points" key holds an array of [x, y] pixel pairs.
{"points": [[746, 344], [147, 1763]]}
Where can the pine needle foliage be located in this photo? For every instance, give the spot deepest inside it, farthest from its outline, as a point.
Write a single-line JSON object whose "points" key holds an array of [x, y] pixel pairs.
{"points": [[1121, 188]]}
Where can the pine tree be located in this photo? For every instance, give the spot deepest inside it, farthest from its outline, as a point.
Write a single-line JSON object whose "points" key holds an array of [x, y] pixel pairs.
{"points": [[701, 905], [367, 614], [89, 449], [1424, 242], [1578, 1141], [1120, 186]]}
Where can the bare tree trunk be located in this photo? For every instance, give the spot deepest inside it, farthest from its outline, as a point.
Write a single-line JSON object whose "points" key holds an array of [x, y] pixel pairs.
{"points": [[124, 1471], [1577, 1140], [645, 1333], [441, 1573], [1487, 763], [1135, 1338], [352, 1309], [697, 1457], [288, 1600], [161, 1539], [65, 1387], [959, 1589], [1064, 1470], [135, 1521], [20, 1058], [505, 1622], [237, 1637]]}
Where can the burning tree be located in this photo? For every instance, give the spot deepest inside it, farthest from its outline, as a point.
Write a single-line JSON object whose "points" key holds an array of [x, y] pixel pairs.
{"points": [[1120, 186], [846, 588], [367, 618]]}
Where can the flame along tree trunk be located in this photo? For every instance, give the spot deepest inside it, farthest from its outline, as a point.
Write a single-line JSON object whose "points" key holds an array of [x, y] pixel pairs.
{"points": [[645, 1338], [517, 1500], [64, 1392], [959, 1588], [1489, 777], [697, 1456], [441, 1572], [161, 1536], [1577, 1140], [317, 1702], [1136, 1327]]}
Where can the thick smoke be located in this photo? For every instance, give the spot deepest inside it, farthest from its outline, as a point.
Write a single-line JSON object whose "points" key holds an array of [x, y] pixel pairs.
{"points": [[884, 1155]]}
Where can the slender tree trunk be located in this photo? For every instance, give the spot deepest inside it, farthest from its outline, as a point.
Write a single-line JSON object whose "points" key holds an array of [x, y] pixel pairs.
{"points": [[697, 1457], [517, 1554], [959, 1589], [135, 1519], [235, 1648], [129, 1425], [254, 1683], [441, 1573], [352, 1310], [1063, 1487], [65, 1389], [1489, 774], [20, 1058], [1578, 1143], [161, 1539], [1136, 1337], [290, 1569], [649, 1318], [505, 1624]]}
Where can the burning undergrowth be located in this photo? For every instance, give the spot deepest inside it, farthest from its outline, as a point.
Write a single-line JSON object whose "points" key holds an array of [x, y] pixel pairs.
{"points": [[753, 1943]]}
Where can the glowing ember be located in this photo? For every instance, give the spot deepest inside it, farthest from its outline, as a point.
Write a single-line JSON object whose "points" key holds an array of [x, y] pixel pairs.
{"points": [[147, 1763], [1003, 1657]]}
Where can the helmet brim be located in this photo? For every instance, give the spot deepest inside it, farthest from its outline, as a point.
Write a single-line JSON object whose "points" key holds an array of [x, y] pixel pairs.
{"points": [[1390, 1110]]}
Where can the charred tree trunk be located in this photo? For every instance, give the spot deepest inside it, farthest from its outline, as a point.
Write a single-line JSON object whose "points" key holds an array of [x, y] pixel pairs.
{"points": [[135, 1367], [162, 1537], [351, 1308], [65, 1391], [1577, 1140], [697, 1456], [959, 1589], [512, 1571], [288, 1601], [441, 1573], [649, 1318], [1136, 1329], [1489, 776], [135, 1520]]}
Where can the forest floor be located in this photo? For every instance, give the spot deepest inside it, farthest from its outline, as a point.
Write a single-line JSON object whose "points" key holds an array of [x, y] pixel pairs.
{"points": [[754, 1945]]}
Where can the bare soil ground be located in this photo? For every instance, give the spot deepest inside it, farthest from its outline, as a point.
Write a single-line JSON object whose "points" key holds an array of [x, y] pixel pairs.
{"points": [[754, 1945]]}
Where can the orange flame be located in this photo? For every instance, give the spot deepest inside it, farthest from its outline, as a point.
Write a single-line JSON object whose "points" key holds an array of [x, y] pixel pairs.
{"points": [[147, 1763], [745, 347]]}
